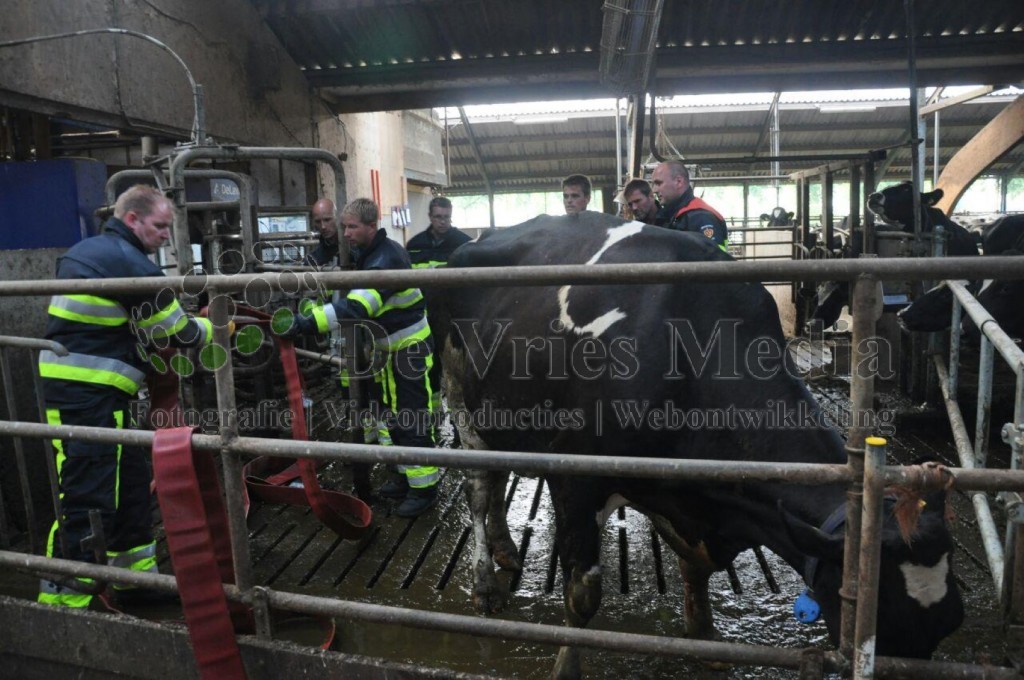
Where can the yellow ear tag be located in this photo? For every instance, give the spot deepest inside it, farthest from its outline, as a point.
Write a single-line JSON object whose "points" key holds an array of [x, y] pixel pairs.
{"points": [[922, 505]]}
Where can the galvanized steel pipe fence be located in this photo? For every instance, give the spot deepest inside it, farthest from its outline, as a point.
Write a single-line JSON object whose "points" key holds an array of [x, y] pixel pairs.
{"points": [[867, 481], [1005, 557]]}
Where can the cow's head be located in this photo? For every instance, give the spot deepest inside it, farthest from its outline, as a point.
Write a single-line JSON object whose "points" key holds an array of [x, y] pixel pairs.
{"points": [[1004, 300], [931, 312], [919, 603], [895, 205]]}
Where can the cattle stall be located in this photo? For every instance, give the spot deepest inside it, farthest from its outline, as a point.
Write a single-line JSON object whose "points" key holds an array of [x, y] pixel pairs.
{"points": [[268, 549]]}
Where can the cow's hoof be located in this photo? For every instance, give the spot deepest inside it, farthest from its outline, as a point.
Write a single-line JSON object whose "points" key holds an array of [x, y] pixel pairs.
{"points": [[488, 602], [567, 667], [506, 556]]}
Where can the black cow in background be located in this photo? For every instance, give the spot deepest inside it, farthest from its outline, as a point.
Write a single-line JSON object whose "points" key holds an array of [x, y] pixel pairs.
{"points": [[894, 206], [779, 217], [591, 369], [1004, 300]]}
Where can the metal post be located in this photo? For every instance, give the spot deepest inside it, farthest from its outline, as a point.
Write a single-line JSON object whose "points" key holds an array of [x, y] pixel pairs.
{"points": [[51, 458], [855, 201], [1013, 567], [983, 421], [618, 143], [19, 456], [915, 119], [230, 459], [827, 213], [939, 237], [870, 556], [936, 165], [866, 307], [954, 347], [869, 217], [1012, 594]]}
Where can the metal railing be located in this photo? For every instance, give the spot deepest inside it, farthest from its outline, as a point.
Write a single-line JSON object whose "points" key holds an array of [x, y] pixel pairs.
{"points": [[865, 470], [1005, 558]]}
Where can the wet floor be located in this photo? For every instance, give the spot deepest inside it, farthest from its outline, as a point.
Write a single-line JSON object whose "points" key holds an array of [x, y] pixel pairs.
{"points": [[424, 563]]}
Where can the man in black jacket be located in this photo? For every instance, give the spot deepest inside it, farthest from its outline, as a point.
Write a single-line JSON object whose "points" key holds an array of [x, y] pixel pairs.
{"points": [[325, 223], [681, 210], [402, 342], [434, 245], [109, 339]]}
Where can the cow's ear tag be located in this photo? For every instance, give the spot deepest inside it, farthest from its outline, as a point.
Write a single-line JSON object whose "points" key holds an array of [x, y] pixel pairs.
{"points": [[806, 609]]}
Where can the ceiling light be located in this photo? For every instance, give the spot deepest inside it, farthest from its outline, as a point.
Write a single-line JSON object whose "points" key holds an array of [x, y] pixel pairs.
{"points": [[845, 108], [538, 120]]}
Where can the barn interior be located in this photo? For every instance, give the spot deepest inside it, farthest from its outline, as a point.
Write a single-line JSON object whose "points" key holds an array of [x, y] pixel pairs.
{"points": [[278, 103]]}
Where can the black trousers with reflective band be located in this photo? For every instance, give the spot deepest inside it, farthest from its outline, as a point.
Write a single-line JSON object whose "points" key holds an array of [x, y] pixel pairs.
{"points": [[110, 478]]}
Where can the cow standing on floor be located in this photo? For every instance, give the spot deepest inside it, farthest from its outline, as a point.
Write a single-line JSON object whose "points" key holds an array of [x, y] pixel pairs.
{"points": [[1004, 300], [568, 370], [894, 206]]}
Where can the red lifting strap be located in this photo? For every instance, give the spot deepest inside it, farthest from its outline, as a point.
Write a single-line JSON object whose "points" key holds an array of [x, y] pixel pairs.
{"points": [[195, 523], [346, 515]]}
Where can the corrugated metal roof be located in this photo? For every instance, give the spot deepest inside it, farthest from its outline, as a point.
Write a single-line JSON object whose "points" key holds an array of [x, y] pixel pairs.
{"points": [[395, 54], [366, 55], [536, 157]]}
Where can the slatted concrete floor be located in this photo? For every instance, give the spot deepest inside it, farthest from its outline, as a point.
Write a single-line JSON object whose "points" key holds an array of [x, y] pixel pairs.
{"points": [[425, 563]]}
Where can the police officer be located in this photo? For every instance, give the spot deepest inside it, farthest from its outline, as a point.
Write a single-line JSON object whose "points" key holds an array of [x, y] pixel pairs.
{"points": [[402, 340], [109, 338], [681, 209]]}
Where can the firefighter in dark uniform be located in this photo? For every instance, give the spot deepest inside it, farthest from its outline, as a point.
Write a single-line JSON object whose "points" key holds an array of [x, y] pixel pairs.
{"points": [[681, 210], [431, 248], [325, 222], [434, 245], [109, 338], [402, 342]]}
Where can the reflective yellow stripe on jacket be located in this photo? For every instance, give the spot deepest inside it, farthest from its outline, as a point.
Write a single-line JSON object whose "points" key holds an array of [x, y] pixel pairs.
{"points": [[91, 369], [165, 322], [88, 309], [405, 337]]}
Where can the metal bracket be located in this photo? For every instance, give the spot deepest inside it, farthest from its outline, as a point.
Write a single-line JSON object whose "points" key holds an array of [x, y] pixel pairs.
{"points": [[1013, 434], [96, 542], [261, 611]]}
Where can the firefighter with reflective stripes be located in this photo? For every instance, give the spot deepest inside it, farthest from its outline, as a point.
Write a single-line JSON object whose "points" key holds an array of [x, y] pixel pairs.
{"points": [[108, 338], [431, 248], [434, 245], [402, 341], [681, 210]]}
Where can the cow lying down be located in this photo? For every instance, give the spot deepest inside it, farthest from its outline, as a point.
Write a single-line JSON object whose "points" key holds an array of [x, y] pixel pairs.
{"points": [[574, 358]]}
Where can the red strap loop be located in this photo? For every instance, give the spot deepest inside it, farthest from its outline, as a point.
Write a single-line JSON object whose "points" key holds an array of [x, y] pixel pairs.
{"points": [[196, 526]]}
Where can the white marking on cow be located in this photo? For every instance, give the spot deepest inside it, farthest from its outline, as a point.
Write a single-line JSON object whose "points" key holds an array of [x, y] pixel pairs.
{"points": [[984, 286], [594, 570], [927, 585], [614, 502], [602, 323]]}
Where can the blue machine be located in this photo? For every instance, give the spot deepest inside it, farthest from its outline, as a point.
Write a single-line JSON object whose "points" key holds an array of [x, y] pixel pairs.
{"points": [[49, 204]]}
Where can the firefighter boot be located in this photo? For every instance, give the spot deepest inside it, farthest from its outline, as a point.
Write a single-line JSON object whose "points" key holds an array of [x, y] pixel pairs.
{"points": [[418, 501], [396, 488]]}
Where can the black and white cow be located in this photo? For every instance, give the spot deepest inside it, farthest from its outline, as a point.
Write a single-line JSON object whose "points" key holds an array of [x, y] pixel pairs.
{"points": [[606, 370], [1004, 300], [894, 206]]}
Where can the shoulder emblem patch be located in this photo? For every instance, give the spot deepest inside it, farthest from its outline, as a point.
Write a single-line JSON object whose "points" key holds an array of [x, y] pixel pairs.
{"points": [[708, 231]]}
